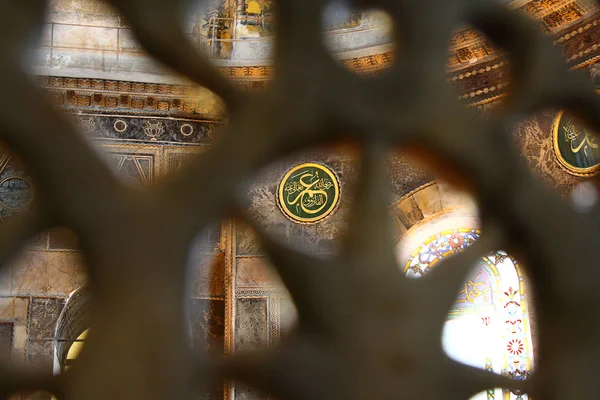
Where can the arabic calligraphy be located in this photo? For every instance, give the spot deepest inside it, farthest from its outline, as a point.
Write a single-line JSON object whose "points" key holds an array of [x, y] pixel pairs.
{"points": [[474, 289], [572, 134], [308, 193], [576, 148]]}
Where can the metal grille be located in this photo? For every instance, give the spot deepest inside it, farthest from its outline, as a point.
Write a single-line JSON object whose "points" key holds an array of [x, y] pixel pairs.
{"points": [[385, 346]]}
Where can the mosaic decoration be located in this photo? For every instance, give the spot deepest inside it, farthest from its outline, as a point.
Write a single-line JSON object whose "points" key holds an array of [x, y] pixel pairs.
{"points": [[576, 148], [493, 294], [309, 193], [147, 129]]}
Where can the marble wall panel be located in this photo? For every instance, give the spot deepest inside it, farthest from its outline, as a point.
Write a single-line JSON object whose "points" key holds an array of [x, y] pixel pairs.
{"points": [[61, 272], [81, 275], [207, 319], [45, 273], [30, 274], [251, 324], [21, 310], [252, 272], [44, 313], [7, 308], [6, 340], [251, 332], [20, 339], [246, 241], [207, 275]]}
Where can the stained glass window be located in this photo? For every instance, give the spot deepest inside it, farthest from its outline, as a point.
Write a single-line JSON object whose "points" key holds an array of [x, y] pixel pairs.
{"points": [[488, 325]]}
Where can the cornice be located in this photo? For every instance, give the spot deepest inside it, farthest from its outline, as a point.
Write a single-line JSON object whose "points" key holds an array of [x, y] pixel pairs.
{"points": [[476, 84]]}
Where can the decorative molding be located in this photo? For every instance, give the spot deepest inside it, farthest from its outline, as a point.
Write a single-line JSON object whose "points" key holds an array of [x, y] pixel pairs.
{"points": [[477, 83], [151, 129], [274, 321], [261, 292], [136, 97]]}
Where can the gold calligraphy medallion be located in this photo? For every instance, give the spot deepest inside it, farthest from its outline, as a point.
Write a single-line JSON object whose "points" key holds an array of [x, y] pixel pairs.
{"points": [[308, 193], [577, 150]]}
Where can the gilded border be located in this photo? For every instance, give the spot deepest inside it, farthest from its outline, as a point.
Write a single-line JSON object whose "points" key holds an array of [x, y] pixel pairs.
{"points": [[310, 221], [589, 171]]}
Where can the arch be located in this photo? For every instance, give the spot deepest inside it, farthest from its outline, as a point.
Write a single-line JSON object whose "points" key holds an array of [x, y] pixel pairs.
{"points": [[433, 203], [504, 335], [72, 322]]}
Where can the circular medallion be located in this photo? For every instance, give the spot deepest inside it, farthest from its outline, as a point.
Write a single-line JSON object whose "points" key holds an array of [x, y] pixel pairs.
{"points": [[16, 193], [120, 125], [186, 129], [309, 193], [577, 149]]}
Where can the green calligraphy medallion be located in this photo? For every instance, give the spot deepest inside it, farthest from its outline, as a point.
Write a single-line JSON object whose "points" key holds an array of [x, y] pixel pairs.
{"points": [[577, 149], [309, 193]]}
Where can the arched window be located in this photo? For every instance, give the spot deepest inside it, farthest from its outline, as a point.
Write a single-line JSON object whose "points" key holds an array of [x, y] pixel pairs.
{"points": [[488, 325]]}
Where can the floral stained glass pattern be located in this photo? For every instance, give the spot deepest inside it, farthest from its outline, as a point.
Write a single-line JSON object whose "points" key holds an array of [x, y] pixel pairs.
{"points": [[488, 325]]}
